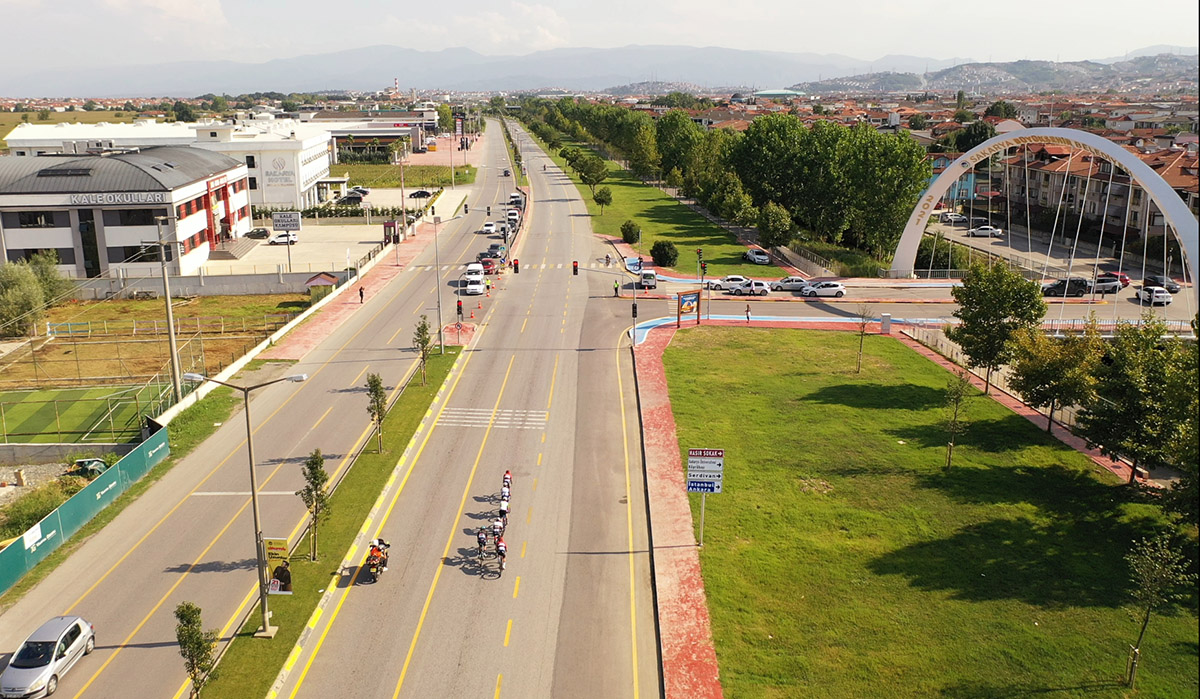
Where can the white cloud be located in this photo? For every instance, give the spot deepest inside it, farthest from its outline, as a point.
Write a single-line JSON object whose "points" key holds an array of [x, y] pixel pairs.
{"points": [[516, 29]]}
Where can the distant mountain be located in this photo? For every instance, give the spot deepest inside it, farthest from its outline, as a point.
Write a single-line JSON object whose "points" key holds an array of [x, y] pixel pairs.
{"points": [[1157, 72], [1151, 51]]}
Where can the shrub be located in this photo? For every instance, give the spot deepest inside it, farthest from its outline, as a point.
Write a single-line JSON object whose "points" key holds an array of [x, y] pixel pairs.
{"points": [[630, 232], [665, 253]]}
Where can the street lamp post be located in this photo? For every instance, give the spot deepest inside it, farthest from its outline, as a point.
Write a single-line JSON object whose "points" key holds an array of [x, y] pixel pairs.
{"points": [[176, 385], [437, 287], [267, 631]]}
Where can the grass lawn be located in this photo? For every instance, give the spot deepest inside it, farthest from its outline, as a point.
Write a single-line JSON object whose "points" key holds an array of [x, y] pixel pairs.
{"points": [[843, 561], [248, 307], [847, 262], [250, 665], [110, 413], [663, 218], [10, 120], [415, 176]]}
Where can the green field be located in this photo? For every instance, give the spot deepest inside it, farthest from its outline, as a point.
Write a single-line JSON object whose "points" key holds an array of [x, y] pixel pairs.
{"points": [[103, 414], [843, 561], [663, 218], [388, 176]]}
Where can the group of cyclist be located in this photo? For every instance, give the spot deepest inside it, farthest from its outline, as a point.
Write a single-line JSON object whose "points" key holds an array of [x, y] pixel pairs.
{"points": [[496, 529]]}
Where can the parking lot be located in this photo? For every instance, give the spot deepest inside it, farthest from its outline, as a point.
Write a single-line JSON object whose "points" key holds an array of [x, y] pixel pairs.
{"points": [[319, 248]]}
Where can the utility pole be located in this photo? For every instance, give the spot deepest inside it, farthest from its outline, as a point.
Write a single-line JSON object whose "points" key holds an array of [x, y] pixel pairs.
{"points": [[176, 383]]}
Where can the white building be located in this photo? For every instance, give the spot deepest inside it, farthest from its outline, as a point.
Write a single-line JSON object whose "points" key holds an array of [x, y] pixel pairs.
{"points": [[288, 161], [101, 213]]}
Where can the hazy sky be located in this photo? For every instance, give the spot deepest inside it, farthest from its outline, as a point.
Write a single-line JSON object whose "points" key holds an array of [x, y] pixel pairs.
{"points": [[66, 33]]}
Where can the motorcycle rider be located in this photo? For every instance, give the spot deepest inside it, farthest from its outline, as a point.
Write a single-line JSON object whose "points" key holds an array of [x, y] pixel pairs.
{"points": [[379, 549]]}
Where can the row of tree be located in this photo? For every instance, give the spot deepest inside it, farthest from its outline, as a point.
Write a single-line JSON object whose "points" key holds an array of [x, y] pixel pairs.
{"points": [[1135, 393], [27, 290], [849, 185]]}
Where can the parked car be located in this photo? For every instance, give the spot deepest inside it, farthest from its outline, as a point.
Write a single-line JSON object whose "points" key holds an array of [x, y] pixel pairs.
{"points": [[758, 257], [514, 199], [789, 284], [499, 248], [361, 190], [727, 283], [259, 233], [490, 265], [1119, 276], [489, 227], [288, 238], [834, 289], [1106, 285], [1067, 287], [474, 287], [420, 194], [1161, 280], [474, 271], [48, 654], [751, 287], [486, 254], [953, 218], [648, 279], [985, 232], [349, 200], [1154, 295]]}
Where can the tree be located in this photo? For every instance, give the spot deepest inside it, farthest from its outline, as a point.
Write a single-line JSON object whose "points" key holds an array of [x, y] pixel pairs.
{"points": [[918, 122], [315, 497], [592, 170], [22, 303], [377, 401], [197, 646], [964, 116], [958, 388], [1125, 416], [775, 226], [1158, 573], [644, 159], [881, 178], [90, 106], [1181, 400], [1054, 372], [630, 232], [1002, 109], [674, 178], [183, 111], [25, 118], [129, 106], [993, 302], [423, 344], [289, 106], [960, 100], [55, 287], [603, 197], [677, 136], [43, 115], [862, 317], [445, 118], [664, 253], [976, 132]]}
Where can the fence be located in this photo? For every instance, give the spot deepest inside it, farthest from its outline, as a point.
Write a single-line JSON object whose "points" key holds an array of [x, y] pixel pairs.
{"points": [[40, 540], [213, 325]]}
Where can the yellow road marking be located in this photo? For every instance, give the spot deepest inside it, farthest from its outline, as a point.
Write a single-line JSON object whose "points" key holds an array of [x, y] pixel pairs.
{"points": [[535, 480], [523, 324], [498, 678], [364, 370], [523, 548], [516, 587], [543, 438], [628, 523], [453, 532], [539, 463], [320, 419], [507, 633], [529, 516], [553, 379]]}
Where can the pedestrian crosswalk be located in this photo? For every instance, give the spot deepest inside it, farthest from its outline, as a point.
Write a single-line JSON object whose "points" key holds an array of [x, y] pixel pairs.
{"points": [[551, 265], [504, 419]]}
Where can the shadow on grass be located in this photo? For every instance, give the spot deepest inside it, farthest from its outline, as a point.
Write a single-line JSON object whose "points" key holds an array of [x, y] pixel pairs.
{"points": [[1061, 563], [294, 305], [883, 397], [1059, 491], [1009, 433], [979, 690]]}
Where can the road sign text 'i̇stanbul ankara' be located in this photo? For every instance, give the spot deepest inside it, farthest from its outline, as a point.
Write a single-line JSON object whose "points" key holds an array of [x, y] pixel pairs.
{"points": [[705, 470]]}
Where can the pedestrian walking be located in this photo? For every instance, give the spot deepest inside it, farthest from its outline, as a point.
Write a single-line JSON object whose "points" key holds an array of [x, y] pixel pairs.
{"points": [[747, 313], [361, 294], [616, 288]]}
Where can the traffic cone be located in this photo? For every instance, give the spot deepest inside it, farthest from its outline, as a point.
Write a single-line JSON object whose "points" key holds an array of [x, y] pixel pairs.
{"points": [[480, 305], [472, 315]]}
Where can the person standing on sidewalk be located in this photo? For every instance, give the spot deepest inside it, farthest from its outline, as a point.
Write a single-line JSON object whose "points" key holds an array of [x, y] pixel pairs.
{"points": [[747, 313], [361, 295], [616, 288]]}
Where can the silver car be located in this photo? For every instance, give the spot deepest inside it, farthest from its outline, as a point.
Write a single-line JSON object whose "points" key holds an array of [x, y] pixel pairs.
{"points": [[46, 656]]}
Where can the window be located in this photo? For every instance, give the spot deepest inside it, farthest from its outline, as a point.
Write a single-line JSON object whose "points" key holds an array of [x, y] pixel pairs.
{"points": [[133, 253], [136, 217], [212, 134], [250, 161], [253, 182], [36, 219]]}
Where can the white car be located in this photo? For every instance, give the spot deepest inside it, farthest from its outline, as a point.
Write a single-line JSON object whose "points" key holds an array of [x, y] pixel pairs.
{"points": [[985, 232], [953, 218], [752, 287], [727, 283], [1154, 294], [289, 238], [474, 272], [758, 257], [41, 661], [474, 287], [834, 289], [489, 227], [789, 284]]}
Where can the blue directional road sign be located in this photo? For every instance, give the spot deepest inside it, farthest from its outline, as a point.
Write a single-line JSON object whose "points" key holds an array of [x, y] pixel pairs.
{"points": [[702, 486]]}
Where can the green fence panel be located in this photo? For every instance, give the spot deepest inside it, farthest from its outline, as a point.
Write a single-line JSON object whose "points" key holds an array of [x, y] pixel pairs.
{"points": [[27, 551], [144, 457], [79, 509]]}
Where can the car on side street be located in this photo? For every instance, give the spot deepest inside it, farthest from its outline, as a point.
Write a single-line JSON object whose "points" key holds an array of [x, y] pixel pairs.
{"points": [[360, 190], [985, 232], [789, 284], [1067, 287], [260, 233], [1121, 277], [727, 283], [420, 194], [751, 287], [1106, 285], [834, 289], [38, 665], [758, 257], [352, 199], [953, 218], [1161, 280], [1154, 295], [286, 238]]}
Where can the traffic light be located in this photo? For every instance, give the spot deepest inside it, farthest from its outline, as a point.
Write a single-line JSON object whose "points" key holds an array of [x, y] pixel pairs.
{"points": [[575, 268], [635, 310], [460, 308], [466, 209], [433, 211], [700, 253], [489, 211], [703, 268], [516, 266]]}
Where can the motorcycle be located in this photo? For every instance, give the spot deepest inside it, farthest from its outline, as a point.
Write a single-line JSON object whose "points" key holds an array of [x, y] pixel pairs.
{"points": [[376, 563]]}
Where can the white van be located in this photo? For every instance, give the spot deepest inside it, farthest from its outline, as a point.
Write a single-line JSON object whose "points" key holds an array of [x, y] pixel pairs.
{"points": [[513, 215], [648, 279], [514, 198]]}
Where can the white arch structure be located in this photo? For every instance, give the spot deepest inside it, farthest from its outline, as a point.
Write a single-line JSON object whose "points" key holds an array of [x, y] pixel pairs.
{"points": [[1172, 207]]}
